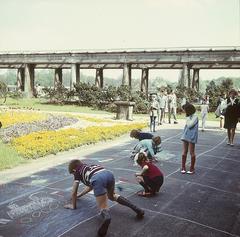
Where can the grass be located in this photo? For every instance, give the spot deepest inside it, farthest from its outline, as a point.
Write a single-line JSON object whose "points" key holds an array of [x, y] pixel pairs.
{"points": [[9, 158], [211, 116], [40, 104]]}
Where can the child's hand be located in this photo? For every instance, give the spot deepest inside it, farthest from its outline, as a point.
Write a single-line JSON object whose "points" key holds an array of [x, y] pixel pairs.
{"points": [[69, 206]]}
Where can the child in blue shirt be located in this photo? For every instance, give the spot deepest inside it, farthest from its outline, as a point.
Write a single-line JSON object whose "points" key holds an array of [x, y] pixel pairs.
{"points": [[189, 137], [150, 146]]}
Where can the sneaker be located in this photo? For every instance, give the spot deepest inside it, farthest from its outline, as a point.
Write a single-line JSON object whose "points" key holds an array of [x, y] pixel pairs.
{"points": [[140, 214], [175, 122], [190, 172], [102, 231], [183, 171], [228, 143], [231, 144]]}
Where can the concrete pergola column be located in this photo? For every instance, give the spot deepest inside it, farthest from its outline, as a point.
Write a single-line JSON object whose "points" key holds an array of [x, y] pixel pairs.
{"points": [[20, 79], [75, 75], [127, 75], [29, 80], [144, 80], [99, 77], [58, 76], [195, 82], [186, 79]]}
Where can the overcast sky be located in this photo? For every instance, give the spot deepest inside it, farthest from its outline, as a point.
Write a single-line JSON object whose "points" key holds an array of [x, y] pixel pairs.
{"points": [[108, 24]]}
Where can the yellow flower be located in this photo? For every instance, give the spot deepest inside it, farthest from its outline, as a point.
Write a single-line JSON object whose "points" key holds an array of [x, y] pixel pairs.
{"points": [[13, 117], [42, 143]]}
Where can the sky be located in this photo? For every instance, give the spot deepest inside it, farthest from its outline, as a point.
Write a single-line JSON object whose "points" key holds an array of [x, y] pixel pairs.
{"points": [[40, 25]]}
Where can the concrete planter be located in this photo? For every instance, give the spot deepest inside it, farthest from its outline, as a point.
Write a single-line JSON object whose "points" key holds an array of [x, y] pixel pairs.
{"points": [[124, 109]]}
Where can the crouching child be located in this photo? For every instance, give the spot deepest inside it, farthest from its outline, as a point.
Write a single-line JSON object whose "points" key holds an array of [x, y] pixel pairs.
{"points": [[150, 146], [150, 178], [102, 182]]}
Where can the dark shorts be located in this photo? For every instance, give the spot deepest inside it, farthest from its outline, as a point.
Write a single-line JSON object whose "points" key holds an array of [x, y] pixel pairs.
{"points": [[101, 182], [155, 183]]}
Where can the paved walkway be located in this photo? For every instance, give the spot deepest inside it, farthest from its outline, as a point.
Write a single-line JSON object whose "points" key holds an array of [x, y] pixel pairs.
{"points": [[204, 204]]}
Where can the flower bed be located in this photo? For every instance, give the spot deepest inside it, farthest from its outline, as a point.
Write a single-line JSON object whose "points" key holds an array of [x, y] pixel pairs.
{"points": [[20, 129], [14, 117], [42, 143]]}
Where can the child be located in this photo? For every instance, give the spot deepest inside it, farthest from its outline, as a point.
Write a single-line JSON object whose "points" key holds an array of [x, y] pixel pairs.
{"points": [[153, 110], [204, 113], [151, 178], [150, 146], [137, 134], [189, 137], [102, 182]]}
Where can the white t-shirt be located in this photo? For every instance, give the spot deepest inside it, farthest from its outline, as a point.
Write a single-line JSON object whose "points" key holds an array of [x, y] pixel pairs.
{"points": [[204, 109]]}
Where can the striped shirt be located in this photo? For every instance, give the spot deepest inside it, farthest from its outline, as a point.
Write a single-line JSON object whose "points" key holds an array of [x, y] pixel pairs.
{"points": [[84, 173]]}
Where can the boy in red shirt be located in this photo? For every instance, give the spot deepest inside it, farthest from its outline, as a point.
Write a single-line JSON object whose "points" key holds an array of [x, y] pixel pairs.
{"points": [[150, 178]]}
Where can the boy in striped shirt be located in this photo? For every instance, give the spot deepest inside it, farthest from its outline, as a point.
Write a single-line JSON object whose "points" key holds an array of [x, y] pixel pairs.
{"points": [[102, 182]]}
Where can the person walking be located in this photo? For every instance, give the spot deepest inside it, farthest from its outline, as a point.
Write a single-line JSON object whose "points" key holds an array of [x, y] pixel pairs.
{"points": [[231, 116], [162, 99], [153, 108], [204, 113], [172, 107]]}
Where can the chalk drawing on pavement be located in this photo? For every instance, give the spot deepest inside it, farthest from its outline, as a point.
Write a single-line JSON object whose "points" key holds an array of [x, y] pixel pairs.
{"points": [[38, 204]]}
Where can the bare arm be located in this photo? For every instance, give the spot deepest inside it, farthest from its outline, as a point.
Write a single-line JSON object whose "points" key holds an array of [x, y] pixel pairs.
{"points": [[192, 121], [73, 205], [144, 170], [85, 191]]}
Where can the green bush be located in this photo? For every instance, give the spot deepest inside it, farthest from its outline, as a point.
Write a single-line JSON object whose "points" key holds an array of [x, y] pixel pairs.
{"points": [[100, 98]]}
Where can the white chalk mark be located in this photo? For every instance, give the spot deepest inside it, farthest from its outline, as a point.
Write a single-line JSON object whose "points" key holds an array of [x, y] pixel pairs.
{"points": [[201, 154], [124, 169], [107, 160], [36, 203], [193, 222], [4, 221]]}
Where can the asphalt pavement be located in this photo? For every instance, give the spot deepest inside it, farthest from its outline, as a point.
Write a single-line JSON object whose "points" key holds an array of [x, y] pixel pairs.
{"points": [[206, 204]]}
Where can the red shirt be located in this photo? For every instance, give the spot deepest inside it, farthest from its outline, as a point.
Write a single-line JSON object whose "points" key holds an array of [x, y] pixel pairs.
{"points": [[153, 171]]}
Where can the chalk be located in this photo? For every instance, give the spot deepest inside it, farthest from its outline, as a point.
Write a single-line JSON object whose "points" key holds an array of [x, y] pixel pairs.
{"points": [[105, 160], [119, 188], [4, 221]]}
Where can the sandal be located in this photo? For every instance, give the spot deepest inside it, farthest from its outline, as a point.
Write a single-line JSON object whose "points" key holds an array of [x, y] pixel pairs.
{"points": [[144, 194]]}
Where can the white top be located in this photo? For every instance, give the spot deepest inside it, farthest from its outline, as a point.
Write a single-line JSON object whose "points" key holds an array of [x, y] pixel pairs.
{"points": [[162, 99], [204, 109], [153, 108], [172, 100]]}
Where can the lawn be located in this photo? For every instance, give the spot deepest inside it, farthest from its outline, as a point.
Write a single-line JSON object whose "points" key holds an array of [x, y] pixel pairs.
{"points": [[41, 104], [211, 116], [9, 158]]}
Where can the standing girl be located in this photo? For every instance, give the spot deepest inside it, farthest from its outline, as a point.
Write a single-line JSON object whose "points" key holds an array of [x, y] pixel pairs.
{"points": [[189, 137]]}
